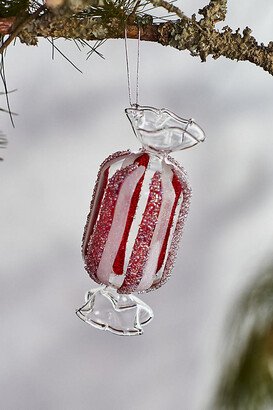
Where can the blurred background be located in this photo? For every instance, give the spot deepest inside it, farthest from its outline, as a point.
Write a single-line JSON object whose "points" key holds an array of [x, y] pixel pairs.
{"points": [[68, 123]]}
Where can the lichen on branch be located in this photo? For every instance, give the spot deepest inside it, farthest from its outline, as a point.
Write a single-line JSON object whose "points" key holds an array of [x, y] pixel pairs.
{"points": [[105, 19], [215, 11]]}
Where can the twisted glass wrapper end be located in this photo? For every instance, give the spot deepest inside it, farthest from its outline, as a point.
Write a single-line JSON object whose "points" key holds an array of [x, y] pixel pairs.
{"points": [[162, 131], [123, 315]]}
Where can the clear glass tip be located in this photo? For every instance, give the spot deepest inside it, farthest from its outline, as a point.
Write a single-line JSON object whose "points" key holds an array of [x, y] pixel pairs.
{"points": [[161, 130], [120, 314]]}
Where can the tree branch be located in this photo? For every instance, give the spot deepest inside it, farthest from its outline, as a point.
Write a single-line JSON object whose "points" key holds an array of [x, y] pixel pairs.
{"points": [[201, 37], [18, 28]]}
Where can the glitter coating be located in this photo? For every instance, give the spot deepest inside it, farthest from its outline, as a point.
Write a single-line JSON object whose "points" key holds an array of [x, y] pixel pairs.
{"points": [[105, 165], [103, 225], [178, 189], [140, 250], [114, 238], [118, 265], [184, 210], [153, 244]]}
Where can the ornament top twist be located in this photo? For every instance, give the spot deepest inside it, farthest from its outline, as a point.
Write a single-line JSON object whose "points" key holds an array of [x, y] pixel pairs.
{"points": [[162, 131]]}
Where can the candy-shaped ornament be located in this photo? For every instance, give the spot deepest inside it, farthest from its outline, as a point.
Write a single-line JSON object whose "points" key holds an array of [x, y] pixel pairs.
{"points": [[139, 206]]}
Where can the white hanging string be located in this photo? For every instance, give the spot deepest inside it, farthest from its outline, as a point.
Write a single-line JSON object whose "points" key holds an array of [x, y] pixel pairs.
{"points": [[129, 83]]}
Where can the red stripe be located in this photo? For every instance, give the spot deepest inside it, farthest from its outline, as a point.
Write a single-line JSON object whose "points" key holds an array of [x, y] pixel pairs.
{"points": [[120, 257], [142, 243], [99, 237], [178, 189], [143, 160]]}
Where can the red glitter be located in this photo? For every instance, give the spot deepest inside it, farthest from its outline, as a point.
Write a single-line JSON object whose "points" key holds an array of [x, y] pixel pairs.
{"points": [[96, 210], [178, 189], [101, 230], [176, 237], [120, 257], [108, 162], [145, 233], [143, 160]]}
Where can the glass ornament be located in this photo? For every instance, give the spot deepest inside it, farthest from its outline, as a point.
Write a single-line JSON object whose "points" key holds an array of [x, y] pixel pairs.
{"points": [[137, 213]]}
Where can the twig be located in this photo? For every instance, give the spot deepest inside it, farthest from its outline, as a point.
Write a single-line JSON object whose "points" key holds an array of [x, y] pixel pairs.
{"points": [[171, 8], [19, 27]]}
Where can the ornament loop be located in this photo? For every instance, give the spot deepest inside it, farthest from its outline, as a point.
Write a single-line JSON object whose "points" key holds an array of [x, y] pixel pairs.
{"points": [[128, 69]]}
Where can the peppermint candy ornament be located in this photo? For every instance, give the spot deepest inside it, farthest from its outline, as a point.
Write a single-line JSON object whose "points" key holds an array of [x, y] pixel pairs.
{"points": [[139, 206]]}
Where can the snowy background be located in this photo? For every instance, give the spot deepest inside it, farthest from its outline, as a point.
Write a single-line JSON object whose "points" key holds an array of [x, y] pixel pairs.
{"points": [[67, 124]]}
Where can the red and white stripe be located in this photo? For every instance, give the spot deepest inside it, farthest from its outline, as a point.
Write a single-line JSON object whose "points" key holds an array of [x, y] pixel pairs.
{"points": [[129, 232]]}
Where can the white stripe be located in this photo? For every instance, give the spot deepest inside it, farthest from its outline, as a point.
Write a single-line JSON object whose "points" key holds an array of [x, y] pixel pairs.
{"points": [[129, 160], [175, 219], [113, 165]]}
